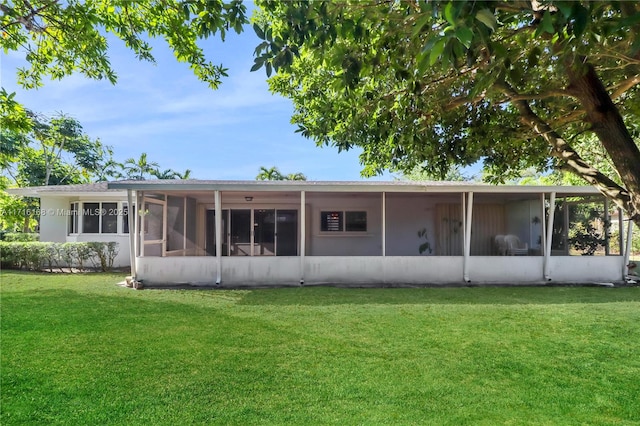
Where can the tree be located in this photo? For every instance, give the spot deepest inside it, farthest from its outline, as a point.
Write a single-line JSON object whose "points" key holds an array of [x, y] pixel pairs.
{"points": [[53, 151], [59, 38], [165, 174], [273, 173], [141, 168], [513, 84]]}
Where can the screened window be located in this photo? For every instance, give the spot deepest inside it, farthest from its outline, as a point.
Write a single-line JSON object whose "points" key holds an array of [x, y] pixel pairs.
{"points": [[343, 221], [355, 221]]}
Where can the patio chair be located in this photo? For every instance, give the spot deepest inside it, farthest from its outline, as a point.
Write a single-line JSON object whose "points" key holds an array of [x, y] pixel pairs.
{"points": [[515, 247], [500, 245]]}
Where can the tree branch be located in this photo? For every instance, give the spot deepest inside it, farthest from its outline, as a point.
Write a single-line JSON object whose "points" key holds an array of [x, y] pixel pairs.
{"points": [[562, 150]]}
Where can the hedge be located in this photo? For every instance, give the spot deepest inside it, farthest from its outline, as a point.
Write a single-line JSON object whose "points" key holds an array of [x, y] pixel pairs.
{"points": [[39, 255], [19, 236]]}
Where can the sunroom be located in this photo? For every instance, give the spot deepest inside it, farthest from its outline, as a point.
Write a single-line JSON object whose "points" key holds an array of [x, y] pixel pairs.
{"points": [[370, 233]]}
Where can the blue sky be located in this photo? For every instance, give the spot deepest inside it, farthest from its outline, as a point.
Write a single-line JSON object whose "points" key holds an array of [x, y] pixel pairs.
{"points": [[165, 111]]}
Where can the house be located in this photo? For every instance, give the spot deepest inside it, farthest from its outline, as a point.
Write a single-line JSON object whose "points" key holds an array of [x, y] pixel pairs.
{"points": [[81, 213], [207, 232]]}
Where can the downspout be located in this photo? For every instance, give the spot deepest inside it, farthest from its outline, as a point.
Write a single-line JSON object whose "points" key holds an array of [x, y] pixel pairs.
{"points": [[219, 236], [303, 233], [627, 251], [132, 232], [467, 237], [547, 249]]}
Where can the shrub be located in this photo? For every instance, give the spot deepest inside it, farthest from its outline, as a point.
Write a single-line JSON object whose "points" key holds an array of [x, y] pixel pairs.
{"points": [[36, 255], [103, 254], [20, 236]]}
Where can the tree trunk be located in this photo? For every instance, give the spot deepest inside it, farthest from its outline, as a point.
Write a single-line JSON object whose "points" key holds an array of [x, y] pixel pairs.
{"points": [[562, 150], [608, 125]]}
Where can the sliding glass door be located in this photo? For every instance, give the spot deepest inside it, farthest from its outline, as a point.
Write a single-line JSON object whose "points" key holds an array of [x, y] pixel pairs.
{"points": [[254, 232]]}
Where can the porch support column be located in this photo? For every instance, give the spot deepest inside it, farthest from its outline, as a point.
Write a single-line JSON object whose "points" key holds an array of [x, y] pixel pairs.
{"points": [[607, 224], [131, 218], [303, 233], [467, 236], [543, 233], [627, 251], [219, 236], [384, 224], [547, 249], [141, 207]]}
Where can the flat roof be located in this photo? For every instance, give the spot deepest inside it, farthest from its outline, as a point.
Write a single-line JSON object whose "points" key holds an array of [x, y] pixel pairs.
{"points": [[340, 186], [117, 188]]}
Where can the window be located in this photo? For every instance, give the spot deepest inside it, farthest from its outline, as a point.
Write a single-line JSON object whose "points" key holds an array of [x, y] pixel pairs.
{"points": [[125, 218], [73, 218], [91, 218], [97, 218], [109, 217], [343, 221]]}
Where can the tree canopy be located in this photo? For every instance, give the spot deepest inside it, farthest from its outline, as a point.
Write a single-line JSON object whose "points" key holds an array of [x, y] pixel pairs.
{"points": [[59, 38], [515, 84]]}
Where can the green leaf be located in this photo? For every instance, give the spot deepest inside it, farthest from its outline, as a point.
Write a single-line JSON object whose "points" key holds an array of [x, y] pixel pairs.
{"points": [[258, 31], [465, 35], [420, 23], [436, 51], [547, 22], [487, 18], [449, 13], [581, 16]]}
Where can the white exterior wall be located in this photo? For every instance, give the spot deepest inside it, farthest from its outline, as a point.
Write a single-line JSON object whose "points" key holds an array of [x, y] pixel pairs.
{"points": [[122, 259], [53, 220], [506, 269], [177, 270], [261, 270], [585, 268], [54, 226]]}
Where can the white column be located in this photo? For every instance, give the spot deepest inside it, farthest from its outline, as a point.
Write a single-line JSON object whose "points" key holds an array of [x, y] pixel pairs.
{"points": [[627, 251], [219, 236], [547, 249], [164, 225], [132, 232], [303, 233], [141, 207], [543, 223], [384, 224], [467, 236], [607, 224]]}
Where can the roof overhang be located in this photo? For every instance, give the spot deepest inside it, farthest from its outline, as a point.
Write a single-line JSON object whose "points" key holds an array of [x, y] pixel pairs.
{"points": [[342, 186]]}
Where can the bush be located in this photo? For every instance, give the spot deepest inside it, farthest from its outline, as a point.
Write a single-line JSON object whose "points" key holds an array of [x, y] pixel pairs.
{"points": [[20, 237], [36, 255]]}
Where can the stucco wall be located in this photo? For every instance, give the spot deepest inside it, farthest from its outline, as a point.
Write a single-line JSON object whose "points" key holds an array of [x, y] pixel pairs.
{"points": [[406, 215], [367, 243], [53, 220]]}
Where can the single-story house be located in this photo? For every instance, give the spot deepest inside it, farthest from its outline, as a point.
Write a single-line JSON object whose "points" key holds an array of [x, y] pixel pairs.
{"points": [[208, 232]]}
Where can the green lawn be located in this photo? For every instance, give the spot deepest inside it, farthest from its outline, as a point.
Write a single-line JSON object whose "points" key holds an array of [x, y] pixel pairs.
{"points": [[77, 349]]}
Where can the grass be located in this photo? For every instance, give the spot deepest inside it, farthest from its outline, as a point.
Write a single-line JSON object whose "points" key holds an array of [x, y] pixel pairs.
{"points": [[77, 349]]}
